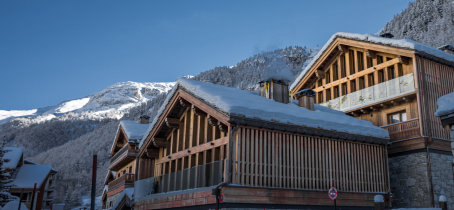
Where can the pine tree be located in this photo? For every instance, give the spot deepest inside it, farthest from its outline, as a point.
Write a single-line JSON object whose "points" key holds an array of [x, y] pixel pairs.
{"points": [[5, 177]]}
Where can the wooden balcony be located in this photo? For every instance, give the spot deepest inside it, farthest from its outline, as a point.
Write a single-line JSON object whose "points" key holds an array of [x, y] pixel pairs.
{"points": [[403, 130], [121, 158], [127, 180]]}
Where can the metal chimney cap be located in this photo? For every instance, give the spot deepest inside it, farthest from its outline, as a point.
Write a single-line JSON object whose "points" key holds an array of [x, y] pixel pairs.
{"points": [[144, 117], [307, 92]]}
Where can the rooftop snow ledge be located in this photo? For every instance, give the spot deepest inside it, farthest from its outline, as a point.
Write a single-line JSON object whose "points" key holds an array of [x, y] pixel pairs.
{"points": [[445, 105], [400, 43], [236, 102]]}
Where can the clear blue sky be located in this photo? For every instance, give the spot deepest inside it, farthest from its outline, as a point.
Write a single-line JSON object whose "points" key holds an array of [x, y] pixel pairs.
{"points": [[51, 51]]}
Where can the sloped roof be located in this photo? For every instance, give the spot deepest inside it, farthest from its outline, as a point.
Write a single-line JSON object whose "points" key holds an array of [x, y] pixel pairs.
{"points": [[399, 43], [445, 105], [133, 129], [232, 101], [14, 156], [29, 174]]}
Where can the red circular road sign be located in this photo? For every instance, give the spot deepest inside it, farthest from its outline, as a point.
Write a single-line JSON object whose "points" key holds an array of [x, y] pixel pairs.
{"points": [[332, 193], [221, 199]]}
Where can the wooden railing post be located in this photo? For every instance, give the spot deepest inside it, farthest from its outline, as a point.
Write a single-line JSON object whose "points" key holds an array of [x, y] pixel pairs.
{"points": [[442, 203], [379, 202]]}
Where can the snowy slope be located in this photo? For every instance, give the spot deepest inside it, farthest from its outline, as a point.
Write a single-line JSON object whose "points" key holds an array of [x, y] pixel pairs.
{"points": [[117, 97]]}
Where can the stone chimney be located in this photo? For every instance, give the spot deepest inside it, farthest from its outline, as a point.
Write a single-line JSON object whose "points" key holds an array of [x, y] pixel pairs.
{"points": [[144, 119], [387, 35], [447, 48], [306, 98], [275, 89]]}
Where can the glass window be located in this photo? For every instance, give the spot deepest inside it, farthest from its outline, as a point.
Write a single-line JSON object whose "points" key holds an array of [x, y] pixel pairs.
{"points": [[397, 117]]}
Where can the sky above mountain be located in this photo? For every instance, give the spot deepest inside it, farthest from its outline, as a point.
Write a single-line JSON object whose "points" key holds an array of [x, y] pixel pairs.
{"points": [[51, 51]]}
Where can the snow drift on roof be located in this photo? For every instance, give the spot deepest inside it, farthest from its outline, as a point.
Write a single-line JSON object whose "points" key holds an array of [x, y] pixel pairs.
{"points": [[14, 205], [28, 175], [133, 129], [14, 156], [232, 101], [400, 43], [445, 105]]}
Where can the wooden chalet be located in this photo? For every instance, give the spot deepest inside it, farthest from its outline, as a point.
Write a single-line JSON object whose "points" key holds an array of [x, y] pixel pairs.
{"points": [[260, 153], [395, 85], [26, 174], [122, 170]]}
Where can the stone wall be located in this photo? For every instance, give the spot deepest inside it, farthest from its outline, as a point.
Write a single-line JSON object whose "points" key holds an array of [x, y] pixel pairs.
{"points": [[410, 181], [112, 198]]}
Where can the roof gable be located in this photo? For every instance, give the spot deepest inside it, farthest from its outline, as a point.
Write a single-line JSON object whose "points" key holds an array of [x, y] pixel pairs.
{"points": [[404, 44], [29, 174], [15, 156]]}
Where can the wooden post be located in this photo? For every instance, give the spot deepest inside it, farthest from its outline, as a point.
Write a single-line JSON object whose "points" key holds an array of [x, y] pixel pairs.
{"points": [[379, 203], [442, 203]]}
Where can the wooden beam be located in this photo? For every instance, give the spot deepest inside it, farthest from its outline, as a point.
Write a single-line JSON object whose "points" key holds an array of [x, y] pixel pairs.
{"points": [[395, 103], [343, 48], [172, 123], [359, 74], [211, 120], [198, 111], [355, 114], [371, 54], [152, 153], [222, 127], [365, 111], [328, 64], [184, 103], [320, 74], [402, 60], [194, 150], [384, 106], [374, 108], [160, 142]]}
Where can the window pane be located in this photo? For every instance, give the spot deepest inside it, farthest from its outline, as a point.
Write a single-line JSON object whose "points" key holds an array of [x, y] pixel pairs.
{"points": [[395, 118], [404, 116]]}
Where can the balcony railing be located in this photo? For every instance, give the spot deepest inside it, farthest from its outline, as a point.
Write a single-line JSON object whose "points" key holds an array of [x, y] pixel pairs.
{"points": [[124, 179], [403, 130], [120, 154], [385, 90], [206, 175]]}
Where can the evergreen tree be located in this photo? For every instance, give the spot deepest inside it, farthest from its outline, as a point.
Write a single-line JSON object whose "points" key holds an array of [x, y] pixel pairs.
{"points": [[5, 177]]}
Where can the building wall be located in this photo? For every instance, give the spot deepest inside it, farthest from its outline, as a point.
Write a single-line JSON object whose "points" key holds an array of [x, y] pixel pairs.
{"points": [[112, 199], [410, 181], [125, 168]]}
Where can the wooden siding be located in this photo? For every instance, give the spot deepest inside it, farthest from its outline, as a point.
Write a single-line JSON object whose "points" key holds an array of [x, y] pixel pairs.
{"points": [[284, 160], [439, 81]]}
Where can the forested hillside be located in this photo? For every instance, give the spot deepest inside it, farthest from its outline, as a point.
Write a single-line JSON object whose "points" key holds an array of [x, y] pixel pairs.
{"points": [[430, 22]]}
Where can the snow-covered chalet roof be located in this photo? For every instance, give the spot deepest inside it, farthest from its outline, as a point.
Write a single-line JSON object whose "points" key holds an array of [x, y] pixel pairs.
{"points": [[232, 101], [14, 155], [134, 130], [28, 175], [445, 105], [400, 43]]}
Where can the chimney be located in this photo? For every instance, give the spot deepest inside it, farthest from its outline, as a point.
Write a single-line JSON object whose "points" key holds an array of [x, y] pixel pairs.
{"points": [[144, 119], [306, 98], [387, 35], [275, 89], [447, 48]]}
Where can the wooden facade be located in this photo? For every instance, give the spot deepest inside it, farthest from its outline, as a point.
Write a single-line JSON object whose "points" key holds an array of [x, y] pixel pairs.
{"points": [[350, 66], [274, 162]]}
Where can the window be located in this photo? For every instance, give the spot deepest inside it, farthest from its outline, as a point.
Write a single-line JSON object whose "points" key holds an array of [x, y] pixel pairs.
{"points": [[319, 82], [352, 61], [397, 117], [353, 85], [327, 77], [335, 72], [379, 59], [344, 67]]}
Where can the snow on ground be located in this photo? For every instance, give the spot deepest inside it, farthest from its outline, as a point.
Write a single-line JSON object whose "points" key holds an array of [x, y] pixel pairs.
{"points": [[14, 205], [13, 155], [249, 104], [118, 97], [401, 43], [445, 105]]}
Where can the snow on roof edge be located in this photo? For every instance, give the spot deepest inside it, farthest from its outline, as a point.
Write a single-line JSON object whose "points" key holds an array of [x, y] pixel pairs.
{"points": [[445, 105], [401, 43]]}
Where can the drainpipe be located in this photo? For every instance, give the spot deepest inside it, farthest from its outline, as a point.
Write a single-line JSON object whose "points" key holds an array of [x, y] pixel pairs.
{"points": [[217, 191], [429, 140]]}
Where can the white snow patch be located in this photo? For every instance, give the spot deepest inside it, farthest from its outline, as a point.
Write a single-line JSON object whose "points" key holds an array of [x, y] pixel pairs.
{"points": [[442, 198], [445, 105], [234, 101], [378, 199], [14, 205], [401, 43], [14, 154], [28, 175]]}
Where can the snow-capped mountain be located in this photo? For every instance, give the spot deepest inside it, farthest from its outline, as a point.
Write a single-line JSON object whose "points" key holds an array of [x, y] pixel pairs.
{"points": [[117, 98]]}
